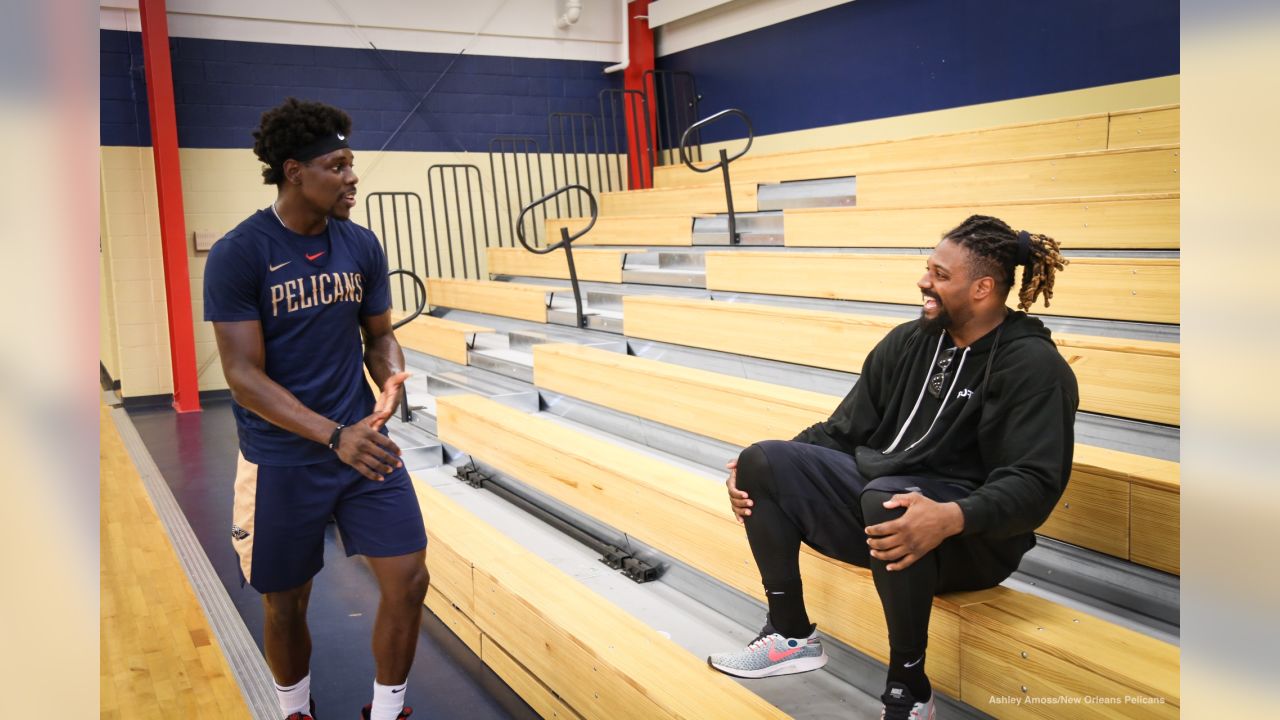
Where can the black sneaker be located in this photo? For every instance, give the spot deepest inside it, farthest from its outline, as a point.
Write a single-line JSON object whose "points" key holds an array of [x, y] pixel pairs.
{"points": [[367, 710], [900, 705]]}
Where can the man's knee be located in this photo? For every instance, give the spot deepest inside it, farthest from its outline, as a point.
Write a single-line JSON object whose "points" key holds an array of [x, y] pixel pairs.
{"points": [[287, 605], [410, 587], [755, 477], [873, 510], [418, 583]]}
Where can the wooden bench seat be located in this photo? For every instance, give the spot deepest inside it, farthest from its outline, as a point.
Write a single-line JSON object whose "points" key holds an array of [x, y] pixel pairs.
{"points": [[1144, 127], [567, 651], [1096, 511], [1015, 645], [1009, 141], [643, 230], [678, 201], [686, 516], [507, 299], [442, 338], [1126, 378], [625, 489], [1136, 289], [1129, 222], [592, 265], [1106, 172], [1125, 129]]}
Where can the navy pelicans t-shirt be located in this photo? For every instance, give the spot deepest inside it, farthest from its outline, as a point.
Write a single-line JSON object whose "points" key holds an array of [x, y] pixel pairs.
{"points": [[309, 293]]}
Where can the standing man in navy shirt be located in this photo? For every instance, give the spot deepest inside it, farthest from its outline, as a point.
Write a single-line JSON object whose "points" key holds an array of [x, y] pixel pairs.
{"points": [[300, 305]]}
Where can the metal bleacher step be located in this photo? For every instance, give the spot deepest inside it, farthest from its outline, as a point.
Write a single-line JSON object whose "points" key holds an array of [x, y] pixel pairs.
{"points": [[829, 192], [515, 364], [668, 268], [419, 449], [479, 381], [754, 228], [764, 226]]}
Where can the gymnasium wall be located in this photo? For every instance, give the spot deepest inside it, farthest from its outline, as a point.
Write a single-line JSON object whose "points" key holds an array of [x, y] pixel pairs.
{"points": [[223, 85], [819, 78], [873, 59]]}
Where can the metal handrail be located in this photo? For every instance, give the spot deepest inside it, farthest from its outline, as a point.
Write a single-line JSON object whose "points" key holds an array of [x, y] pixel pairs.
{"points": [[420, 289], [420, 293], [722, 163], [566, 240]]}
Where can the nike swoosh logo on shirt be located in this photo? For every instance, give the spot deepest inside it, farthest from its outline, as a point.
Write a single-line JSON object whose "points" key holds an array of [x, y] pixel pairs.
{"points": [[313, 257], [274, 268]]}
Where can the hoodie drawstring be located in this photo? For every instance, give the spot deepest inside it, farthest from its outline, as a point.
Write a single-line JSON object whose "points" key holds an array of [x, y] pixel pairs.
{"points": [[928, 371], [945, 398]]}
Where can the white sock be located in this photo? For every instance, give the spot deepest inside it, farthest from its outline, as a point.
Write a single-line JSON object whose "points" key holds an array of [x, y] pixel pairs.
{"points": [[388, 701], [295, 699]]}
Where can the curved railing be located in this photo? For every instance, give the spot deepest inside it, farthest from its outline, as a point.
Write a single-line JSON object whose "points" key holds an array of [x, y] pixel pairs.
{"points": [[722, 163], [566, 240], [420, 291]]}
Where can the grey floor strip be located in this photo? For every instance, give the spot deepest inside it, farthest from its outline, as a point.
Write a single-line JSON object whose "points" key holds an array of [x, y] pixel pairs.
{"points": [[247, 664]]}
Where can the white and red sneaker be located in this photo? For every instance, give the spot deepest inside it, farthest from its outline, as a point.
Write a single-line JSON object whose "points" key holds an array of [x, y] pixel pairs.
{"points": [[772, 654]]}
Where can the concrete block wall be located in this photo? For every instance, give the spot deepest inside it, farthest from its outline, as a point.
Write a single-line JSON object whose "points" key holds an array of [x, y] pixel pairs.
{"points": [[221, 88]]}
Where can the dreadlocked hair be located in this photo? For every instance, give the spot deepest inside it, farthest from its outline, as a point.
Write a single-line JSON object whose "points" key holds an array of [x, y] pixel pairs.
{"points": [[290, 127], [993, 250]]}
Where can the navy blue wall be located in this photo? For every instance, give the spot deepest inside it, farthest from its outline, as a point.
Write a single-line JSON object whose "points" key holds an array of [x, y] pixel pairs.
{"points": [[222, 87], [880, 58]]}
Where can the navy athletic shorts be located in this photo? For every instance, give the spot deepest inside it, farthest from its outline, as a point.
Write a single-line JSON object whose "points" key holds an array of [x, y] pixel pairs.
{"points": [[280, 513]]}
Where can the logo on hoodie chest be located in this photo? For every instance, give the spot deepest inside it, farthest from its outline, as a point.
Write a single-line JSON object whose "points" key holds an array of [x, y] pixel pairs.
{"points": [[966, 393]]}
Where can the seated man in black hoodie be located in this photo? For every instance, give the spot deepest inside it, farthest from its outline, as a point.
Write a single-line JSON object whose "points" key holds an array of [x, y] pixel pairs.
{"points": [[934, 471]]}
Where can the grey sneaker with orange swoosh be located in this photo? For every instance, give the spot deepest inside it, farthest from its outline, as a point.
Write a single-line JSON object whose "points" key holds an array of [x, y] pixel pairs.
{"points": [[772, 654]]}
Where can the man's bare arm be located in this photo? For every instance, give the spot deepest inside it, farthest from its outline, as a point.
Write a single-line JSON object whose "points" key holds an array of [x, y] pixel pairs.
{"points": [[243, 353], [384, 358]]}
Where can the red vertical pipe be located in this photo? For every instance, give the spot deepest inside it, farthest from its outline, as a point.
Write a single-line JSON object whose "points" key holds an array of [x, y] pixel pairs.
{"points": [[173, 231], [639, 165]]}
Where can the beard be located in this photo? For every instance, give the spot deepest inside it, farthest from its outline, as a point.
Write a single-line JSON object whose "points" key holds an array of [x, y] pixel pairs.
{"points": [[938, 323]]}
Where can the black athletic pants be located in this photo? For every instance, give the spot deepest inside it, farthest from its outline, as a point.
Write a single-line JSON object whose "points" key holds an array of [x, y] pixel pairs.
{"points": [[811, 494]]}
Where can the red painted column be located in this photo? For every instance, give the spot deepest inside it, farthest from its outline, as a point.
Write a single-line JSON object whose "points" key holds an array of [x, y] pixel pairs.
{"points": [[173, 231], [640, 166]]}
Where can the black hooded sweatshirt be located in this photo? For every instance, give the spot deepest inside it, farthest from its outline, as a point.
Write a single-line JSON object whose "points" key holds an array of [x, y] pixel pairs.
{"points": [[1003, 426]]}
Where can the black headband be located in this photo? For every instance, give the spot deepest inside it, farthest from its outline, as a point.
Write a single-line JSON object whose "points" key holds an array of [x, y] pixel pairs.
{"points": [[1024, 248], [323, 146]]}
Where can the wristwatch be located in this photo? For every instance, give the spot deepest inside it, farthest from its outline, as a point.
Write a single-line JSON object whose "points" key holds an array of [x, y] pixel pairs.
{"points": [[335, 437]]}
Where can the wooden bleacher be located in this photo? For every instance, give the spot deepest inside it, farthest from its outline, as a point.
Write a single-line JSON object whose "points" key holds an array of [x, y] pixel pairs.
{"points": [[1143, 127], [1108, 181], [1104, 172], [1096, 512], [678, 201], [564, 649], [686, 516], [1136, 289], [439, 337], [643, 230], [1130, 222], [592, 265], [505, 299], [1129, 378], [1155, 126]]}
